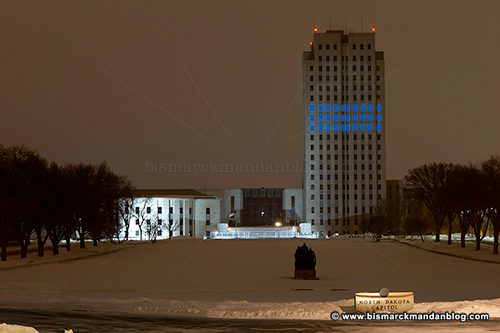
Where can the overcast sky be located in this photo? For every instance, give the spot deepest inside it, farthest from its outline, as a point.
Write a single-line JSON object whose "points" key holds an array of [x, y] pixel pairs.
{"points": [[142, 84]]}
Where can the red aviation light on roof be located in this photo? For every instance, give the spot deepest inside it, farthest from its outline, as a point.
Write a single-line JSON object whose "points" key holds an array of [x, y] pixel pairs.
{"points": [[315, 29]]}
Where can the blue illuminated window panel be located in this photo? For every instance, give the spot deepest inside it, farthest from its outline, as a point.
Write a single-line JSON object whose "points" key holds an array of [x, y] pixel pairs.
{"points": [[379, 107], [311, 107], [379, 118], [311, 117], [379, 127], [320, 107], [311, 127]]}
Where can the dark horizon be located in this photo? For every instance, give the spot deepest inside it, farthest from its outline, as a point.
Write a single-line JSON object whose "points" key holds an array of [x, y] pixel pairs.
{"points": [[197, 83]]}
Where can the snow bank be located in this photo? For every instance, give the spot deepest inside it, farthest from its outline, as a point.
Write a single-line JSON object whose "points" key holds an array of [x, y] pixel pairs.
{"points": [[241, 309], [6, 328], [291, 310]]}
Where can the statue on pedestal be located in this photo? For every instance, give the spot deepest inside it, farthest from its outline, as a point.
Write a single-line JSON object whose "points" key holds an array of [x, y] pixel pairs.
{"points": [[305, 263]]}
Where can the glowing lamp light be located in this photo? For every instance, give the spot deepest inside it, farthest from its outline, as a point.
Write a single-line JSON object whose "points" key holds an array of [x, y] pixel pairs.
{"points": [[315, 29], [277, 224], [373, 29]]}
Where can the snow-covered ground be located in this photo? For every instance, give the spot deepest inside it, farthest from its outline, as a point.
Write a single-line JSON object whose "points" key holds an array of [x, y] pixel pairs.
{"points": [[251, 279]]}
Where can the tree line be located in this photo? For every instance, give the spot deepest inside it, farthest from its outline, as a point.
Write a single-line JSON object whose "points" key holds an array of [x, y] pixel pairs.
{"points": [[57, 202], [447, 195]]}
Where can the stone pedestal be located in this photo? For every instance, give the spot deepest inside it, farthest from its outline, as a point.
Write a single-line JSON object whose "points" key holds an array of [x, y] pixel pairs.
{"points": [[305, 274]]}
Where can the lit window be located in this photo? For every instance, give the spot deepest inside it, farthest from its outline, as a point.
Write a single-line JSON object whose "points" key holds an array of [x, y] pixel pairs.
{"points": [[354, 117], [379, 117], [327, 106], [311, 117], [370, 107], [336, 127], [328, 117], [369, 127], [362, 117], [311, 128], [311, 107], [362, 127], [355, 107], [335, 107], [362, 106], [320, 127], [370, 117], [355, 127], [379, 127], [335, 117], [320, 107], [320, 117], [328, 127], [379, 107]]}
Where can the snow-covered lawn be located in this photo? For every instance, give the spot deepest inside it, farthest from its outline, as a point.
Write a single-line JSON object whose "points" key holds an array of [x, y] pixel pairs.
{"points": [[252, 279]]}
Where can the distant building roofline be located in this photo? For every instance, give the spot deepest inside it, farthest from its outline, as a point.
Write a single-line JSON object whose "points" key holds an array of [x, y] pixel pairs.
{"points": [[171, 193]]}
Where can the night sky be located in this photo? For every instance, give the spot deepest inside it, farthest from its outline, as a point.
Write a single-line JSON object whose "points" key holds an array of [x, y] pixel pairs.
{"points": [[201, 83]]}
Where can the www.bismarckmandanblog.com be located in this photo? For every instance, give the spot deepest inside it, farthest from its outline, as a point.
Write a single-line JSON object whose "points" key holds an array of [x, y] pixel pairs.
{"points": [[405, 316]]}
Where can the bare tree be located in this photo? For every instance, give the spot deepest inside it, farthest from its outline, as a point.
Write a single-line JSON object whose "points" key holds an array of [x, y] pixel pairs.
{"points": [[472, 205], [377, 223], [491, 171], [126, 212], [153, 225], [27, 177], [7, 201], [140, 213], [414, 221], [452, 195], [171, 226], [429, 185]]}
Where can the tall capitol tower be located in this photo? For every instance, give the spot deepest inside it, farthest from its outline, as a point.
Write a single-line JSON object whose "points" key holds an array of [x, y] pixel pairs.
{"points": [[344, 131]]}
